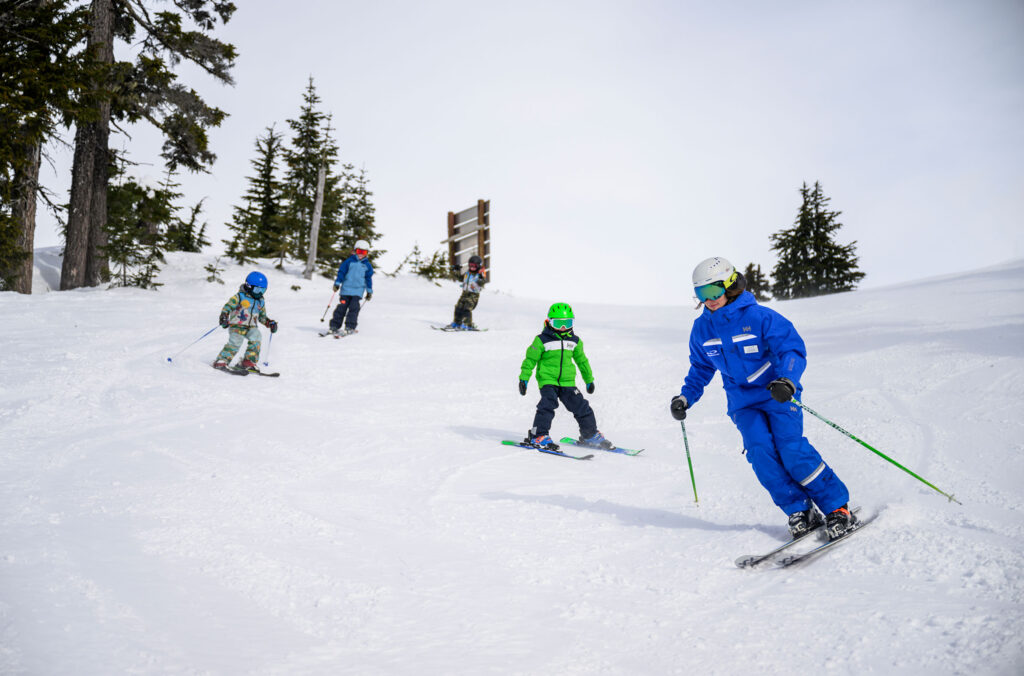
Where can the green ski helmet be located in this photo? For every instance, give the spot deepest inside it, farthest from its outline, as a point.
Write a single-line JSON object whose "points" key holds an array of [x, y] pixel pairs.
{"points": [[560, 317]]}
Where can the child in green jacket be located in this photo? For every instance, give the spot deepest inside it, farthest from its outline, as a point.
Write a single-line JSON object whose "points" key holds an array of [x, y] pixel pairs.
{"points": [[553, 353]]}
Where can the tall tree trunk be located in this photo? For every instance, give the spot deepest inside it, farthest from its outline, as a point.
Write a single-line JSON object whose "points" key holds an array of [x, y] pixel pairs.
{"points": [[24, 211], [84, 263]]}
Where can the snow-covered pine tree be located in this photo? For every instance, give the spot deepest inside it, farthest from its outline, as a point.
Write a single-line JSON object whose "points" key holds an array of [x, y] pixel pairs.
{"points": [[811, 262]]}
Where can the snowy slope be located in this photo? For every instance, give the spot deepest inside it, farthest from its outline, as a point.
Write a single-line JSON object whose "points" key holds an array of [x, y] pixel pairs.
{"points": [[358, 515]]}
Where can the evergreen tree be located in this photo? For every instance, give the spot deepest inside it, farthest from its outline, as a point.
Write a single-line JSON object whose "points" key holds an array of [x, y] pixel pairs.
{"points": [[40, 77], [757, 283], [137, 219], [258, 225], [146, 89], [811, 262], [311, 146], [359, 220], [182, 235]]}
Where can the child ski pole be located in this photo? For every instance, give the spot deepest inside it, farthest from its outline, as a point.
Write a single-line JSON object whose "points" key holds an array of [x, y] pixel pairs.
{"points": [[171, 359], [689, 462], [270, 341], [873, 450], [328, 307]]}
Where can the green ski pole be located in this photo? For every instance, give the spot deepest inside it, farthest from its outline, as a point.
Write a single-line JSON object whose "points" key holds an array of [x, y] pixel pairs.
{"points": [[874, 450], [689, 462]]}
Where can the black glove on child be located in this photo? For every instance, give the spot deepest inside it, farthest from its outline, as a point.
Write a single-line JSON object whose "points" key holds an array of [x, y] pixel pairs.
{"points": [[273, 325], [522, 387], [782, 389], [336, 287], [590, 388], [223, 320], [678, 407], [369, 295]]}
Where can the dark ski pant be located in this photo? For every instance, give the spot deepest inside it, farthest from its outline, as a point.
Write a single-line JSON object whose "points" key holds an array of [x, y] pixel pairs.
{"points": [[347, 312], [785, 463], [550, 395], [464, 308]]}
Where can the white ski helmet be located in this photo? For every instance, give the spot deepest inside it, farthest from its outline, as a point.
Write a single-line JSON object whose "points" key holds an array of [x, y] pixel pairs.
{"points": [[361, 244], [715, 271]]}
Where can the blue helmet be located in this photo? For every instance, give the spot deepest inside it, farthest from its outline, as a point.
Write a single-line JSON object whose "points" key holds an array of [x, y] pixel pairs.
{"points": [[256, 284]]}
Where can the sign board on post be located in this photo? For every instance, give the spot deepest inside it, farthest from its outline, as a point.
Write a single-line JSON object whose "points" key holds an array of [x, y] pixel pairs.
{"points": [[469, 233]]}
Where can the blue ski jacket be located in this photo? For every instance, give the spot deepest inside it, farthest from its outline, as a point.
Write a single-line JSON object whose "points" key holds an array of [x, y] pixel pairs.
{"points": [[354, 276], [750, 345]]}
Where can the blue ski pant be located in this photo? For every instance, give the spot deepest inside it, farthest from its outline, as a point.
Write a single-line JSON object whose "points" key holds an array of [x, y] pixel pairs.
{"points": [[346, 312], [550, 395], [785, 463]]}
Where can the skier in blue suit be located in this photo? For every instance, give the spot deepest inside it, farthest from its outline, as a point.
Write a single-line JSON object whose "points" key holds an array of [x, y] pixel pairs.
{"points": [[355, 276], [761, 358]]}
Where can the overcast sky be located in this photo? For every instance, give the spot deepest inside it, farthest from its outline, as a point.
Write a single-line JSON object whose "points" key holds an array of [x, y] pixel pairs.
{"points": [[620, 143]]}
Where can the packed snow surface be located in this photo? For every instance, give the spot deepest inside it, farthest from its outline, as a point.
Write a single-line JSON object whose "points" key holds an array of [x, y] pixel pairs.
{"points": [[358, 515]]}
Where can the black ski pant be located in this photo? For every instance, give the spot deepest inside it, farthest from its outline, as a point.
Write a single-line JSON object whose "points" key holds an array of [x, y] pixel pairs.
{"points": [[464, 308], [550, 395], [347, 312]]}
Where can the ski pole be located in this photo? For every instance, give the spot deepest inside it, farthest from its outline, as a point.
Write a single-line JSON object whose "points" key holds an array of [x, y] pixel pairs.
{"points": [[689, 462], [328, 307], [171, 359], [876, 451], [270, 341]]}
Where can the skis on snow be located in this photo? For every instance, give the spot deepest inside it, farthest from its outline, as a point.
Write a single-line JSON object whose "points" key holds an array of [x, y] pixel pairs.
{"points": [[780, 558], [451, 329], [237, 371], [547, 449], [324, 334], [614, 449]]}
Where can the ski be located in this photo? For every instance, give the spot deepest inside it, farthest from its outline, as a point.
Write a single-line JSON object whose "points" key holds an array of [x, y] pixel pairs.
{"points": [[613, 449], [264, 374], [451, 329], [336, 335], [794, 559], [550, 451], [751, 560], [231, 371]]}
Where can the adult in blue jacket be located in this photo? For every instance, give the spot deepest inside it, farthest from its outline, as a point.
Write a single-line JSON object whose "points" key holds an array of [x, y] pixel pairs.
{"points": [[355, 277], [761, 358]]}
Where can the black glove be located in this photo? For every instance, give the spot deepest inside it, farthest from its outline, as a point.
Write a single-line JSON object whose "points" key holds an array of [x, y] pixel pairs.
{"points": [[223, 320], [336, 287], [590, 388], [273, 325], [522, 387], [678, 407], [369, 295], [782, 389]]}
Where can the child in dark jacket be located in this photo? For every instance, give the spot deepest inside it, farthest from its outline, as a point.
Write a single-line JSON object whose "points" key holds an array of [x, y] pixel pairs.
{"points": [[472, 284], [553, 354]]}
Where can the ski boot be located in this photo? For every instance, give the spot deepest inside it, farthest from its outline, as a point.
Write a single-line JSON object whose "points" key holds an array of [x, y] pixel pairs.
{"points": [[220, 364], [541, 441], [802, 523], [346, 332], [597, 441], [839, 522], [249, 366]]}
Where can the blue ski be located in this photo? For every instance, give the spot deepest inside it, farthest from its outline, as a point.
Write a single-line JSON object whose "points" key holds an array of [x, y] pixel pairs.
{"points": [[614, 449], [551, 451]]}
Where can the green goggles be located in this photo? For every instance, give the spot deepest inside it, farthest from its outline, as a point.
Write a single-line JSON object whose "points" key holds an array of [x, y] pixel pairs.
{"points": [[561, 324], [711, 291]]}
